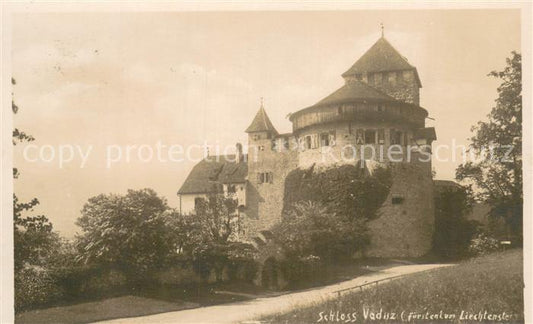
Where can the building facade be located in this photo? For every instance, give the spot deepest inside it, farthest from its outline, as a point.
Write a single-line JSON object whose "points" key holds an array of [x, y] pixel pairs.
{"points": [[374, 118]]}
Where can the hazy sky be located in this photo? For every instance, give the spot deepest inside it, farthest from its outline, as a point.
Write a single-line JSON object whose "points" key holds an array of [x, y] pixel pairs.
{"points": [[184, 78]]}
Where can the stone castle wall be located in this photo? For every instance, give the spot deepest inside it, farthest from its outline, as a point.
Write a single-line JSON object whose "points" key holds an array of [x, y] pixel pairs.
{"points": [[264, 201], [401, 85], [405, 229], [345, 142]]}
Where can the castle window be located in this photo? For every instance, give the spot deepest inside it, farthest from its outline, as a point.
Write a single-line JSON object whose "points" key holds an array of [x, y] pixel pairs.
{"points": [[232, 189], [378, 78], [359, 77], [261, 147], [360, 137], [256, 137], [308, 142], [370, 136], [406, 75], [395, 137], [392, 78], [324, 139], [265, 177], [370, 78], [397, 199], [381, 136], [198, 201], [380, 108]]}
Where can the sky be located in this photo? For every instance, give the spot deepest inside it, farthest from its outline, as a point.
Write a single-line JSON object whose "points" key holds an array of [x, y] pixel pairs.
{"points": [[109, 80]]}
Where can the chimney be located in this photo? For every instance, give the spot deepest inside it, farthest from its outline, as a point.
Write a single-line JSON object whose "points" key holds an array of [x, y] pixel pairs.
{"points": [[239, 156]]}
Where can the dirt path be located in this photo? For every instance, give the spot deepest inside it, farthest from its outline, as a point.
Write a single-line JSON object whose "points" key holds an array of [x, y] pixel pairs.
{"points": [[253, 309]]}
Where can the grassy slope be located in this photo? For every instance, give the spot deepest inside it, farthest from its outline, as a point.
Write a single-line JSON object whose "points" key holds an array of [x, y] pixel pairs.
{"points": [[493, 283], [118, 307]]}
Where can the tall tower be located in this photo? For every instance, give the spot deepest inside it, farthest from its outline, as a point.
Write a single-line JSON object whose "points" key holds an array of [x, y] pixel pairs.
{"points": [[267, 170], [377, 110], [385, 69]]}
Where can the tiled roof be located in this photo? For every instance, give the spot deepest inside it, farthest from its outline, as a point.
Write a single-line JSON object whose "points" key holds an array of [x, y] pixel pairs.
{"points": [[381, 57], [355, 91], [261, 123], [208, 174]]}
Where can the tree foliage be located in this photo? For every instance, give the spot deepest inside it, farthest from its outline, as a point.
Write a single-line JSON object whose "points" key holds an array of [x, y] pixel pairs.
{"points": [[210, 236], [132, 231], [497, 173], [34, 239], [346, 190], [453, 231], [325, 212], [311, 229]]}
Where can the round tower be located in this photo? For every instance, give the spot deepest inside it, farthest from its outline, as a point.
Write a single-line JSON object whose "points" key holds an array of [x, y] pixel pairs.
{"points": [[376, 116]]}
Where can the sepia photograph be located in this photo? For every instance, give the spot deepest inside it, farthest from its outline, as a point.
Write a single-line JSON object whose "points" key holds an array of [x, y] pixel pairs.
{"points": [[287, 162]]}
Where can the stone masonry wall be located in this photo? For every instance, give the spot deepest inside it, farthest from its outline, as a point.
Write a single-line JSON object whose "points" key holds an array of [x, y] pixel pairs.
{"points": [[405, 229], [264, 201], [401, 85], [342, 152]]}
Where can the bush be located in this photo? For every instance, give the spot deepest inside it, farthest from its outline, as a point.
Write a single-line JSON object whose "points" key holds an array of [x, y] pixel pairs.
{"points": [[83, 282], [242, 270], [453, 232], [483, 244], [35, 287], [309, 228], [302, 270]]}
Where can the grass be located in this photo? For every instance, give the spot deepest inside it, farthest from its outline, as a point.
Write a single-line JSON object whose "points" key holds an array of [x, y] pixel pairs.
{"points": [[148, 300], [125, 306], [139, 302], [492, 283]]}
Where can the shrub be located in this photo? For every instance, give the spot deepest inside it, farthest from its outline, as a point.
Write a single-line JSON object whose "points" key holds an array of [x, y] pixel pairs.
{"points": [[453, 232], [302, 270], [346, 190], [483, 244], [35, 286], [242, 270], [310, 229]]}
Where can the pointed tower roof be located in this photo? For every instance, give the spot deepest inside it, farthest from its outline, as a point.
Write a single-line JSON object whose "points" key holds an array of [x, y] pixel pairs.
{"points": [[355, 91], [261, 122], [381, 57]]}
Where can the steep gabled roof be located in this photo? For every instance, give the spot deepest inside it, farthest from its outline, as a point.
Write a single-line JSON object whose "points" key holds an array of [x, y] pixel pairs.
{"points": [[355, 91], [381, 57], [261, 123], [208, 174]]}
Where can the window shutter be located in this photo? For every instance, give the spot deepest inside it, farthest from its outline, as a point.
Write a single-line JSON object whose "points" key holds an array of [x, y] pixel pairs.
{"points": [[271, 180]]}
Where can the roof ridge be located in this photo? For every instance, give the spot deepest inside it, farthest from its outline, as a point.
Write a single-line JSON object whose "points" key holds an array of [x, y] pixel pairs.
{"points": [[381, 56]]}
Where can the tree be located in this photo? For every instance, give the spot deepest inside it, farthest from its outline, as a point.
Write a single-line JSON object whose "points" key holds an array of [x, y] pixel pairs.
{"points": [[310, 229], [211, 239], [497, 173], [132, 231], [453, 231], [34, 239]]}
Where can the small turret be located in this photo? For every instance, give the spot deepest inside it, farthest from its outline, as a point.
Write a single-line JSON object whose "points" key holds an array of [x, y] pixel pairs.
{"points": [[261, 127]]}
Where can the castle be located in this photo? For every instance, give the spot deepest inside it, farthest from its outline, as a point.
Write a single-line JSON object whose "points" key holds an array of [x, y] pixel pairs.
{"points": [[376, 110]]}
